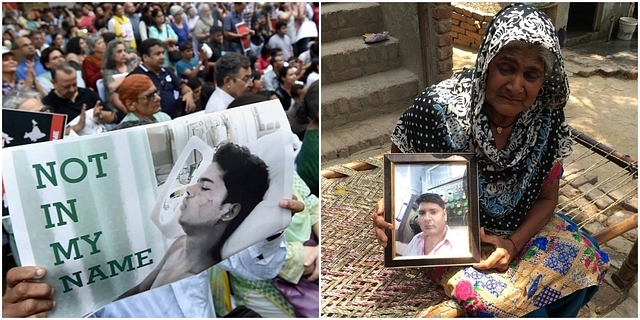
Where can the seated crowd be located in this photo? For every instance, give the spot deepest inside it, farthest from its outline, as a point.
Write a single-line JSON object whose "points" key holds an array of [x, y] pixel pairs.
{"points": [[114, 65]]}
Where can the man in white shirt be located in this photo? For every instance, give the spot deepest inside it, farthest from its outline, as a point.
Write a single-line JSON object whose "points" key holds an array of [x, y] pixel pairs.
{"points": [[233, 80], [436, 239]]}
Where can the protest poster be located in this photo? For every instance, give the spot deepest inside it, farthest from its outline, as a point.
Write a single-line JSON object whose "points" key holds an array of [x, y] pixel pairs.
{"points": [[100, 212], [23, 127], [241, 27]]}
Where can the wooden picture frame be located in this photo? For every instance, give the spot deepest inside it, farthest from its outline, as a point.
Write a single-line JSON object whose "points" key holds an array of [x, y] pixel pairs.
{"points": [[442, 228]]}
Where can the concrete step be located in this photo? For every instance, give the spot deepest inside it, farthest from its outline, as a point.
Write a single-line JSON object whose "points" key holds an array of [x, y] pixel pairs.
{"points": [[345, 20], [359, 99], [342, 142], [351, 58]]}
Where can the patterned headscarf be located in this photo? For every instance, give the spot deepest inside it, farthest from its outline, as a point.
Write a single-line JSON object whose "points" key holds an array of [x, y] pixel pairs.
{"points": [[449, 117]]}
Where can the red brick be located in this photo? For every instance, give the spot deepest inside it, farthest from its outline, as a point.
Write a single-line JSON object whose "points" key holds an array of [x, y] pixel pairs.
{"points": [[469, 20], [473, 35], [444, 40], [467, 26], [482, 31], [441, 12], [443, 26], [444, 66], [455, 22], [457, 16], [444, 52], [457, 29], [462, 43], [465, 38], [478, 16]]}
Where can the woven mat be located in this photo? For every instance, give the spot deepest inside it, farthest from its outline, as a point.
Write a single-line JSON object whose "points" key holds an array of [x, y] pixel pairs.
{"points": [[355, 283]]}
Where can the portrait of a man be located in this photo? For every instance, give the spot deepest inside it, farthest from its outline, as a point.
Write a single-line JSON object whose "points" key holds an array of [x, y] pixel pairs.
{"points": [[223, 196], [435, 237]]}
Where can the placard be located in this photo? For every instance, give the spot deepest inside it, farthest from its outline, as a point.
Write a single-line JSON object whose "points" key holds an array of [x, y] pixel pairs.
{"points": [[101, 213]]}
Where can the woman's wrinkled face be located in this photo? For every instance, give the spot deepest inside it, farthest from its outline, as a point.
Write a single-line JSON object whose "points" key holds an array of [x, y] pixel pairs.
{"points": [[120, 54], [513, 81], [99, 46]]}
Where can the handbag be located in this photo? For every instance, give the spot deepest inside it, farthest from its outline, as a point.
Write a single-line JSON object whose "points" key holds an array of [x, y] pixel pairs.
{"points": [[304, 296]]}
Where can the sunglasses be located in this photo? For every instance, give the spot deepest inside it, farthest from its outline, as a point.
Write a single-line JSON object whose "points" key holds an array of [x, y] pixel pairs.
{"points": [[151, 95]]}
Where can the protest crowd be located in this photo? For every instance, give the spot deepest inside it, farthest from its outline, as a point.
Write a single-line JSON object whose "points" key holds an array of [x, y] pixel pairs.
{"points": [[108, 66]]}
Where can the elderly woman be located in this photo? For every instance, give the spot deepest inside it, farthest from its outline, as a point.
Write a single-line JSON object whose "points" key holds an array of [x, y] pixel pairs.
{"points": [[140, 96], [115, 66], [92, 64], [178, 24], [24, 100], [508, 110]]}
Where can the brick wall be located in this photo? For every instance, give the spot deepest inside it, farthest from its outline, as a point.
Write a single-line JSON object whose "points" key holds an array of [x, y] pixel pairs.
{"points": [[468, 26], [442, 15]]}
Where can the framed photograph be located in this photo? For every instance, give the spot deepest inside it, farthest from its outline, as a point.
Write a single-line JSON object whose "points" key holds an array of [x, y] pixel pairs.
{"points": [[432, 201]]}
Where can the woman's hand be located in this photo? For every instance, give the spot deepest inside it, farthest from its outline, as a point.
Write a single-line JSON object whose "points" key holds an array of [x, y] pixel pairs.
{"points": [[24, 298], [499, 259], [379, 224], [293, 205], [312, 262]]}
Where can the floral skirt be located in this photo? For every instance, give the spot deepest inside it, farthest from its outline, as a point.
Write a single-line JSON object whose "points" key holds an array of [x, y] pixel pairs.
{"points": [[556, 262]]}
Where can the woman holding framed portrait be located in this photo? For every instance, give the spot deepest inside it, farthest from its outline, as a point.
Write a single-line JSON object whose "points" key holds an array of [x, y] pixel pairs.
{"points": [[508, 110]]}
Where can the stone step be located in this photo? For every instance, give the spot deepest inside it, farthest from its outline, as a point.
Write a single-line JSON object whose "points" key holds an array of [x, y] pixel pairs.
{"points": [[344, 141], [351, 58], [345, 20], [359, 99]]}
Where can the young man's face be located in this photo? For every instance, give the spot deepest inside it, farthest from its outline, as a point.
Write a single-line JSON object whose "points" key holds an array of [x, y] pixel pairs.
{"points": [[203, 207], [187, 54], [217, 37], [282, 31], [431, 218], [55, 58]]}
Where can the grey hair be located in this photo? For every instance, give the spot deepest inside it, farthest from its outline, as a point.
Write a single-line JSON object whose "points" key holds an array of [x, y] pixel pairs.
{"points": [[64, 67], [546, 56], [14, 98], [229, 66], [92, 40], [107, 57]]}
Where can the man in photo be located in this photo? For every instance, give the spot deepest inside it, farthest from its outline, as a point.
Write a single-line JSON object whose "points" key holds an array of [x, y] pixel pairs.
{"points": [[224, 195], [436, 239]]}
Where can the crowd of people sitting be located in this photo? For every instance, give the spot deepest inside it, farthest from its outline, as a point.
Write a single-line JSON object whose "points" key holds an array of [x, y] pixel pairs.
{"points": [[112, 65], [103, 43]]}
